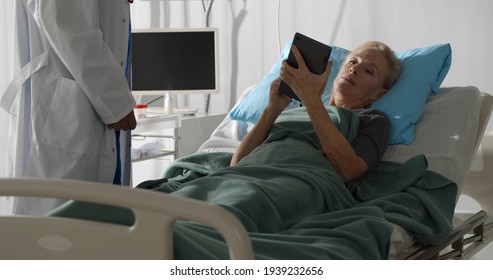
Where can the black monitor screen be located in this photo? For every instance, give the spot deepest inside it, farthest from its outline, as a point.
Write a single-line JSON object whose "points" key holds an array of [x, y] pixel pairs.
{"points": [[174, 60]]}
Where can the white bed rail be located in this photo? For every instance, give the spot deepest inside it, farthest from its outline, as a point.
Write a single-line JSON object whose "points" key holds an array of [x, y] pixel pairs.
{"points": [[25, 237], [478, 183]]}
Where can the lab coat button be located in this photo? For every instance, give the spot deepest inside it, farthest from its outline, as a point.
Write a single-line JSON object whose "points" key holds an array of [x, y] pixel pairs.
{"points": [[124, 20]]}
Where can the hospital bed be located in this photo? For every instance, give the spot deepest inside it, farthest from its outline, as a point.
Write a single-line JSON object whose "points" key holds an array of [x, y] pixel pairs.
{"points": [[449, 133]]}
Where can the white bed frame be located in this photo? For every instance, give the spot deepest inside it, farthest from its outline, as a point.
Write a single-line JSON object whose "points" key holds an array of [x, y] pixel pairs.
{"points": [[472, 231], [151, 237], [23, 237]]}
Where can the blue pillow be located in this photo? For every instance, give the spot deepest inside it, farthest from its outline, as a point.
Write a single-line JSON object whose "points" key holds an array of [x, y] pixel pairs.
{"points": [[424, 70], [251, 107]]}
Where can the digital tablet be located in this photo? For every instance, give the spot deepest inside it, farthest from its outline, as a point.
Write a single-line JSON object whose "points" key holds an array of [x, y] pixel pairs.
{"points": [[314, 53]]}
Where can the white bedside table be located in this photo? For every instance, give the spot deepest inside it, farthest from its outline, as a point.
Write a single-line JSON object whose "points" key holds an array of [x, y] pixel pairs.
{"points": [[183, 136], [154, 129], [157, 127]]}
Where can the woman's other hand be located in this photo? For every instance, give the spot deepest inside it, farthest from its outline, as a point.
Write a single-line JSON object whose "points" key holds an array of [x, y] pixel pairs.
{"points": [[277, 100]]}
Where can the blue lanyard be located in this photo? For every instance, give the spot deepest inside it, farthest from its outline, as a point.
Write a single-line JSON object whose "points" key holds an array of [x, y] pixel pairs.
{"points": [[129, 50]]}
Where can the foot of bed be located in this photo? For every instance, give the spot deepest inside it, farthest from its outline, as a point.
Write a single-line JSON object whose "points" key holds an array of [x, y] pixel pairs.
{"points": [[456, 244]]}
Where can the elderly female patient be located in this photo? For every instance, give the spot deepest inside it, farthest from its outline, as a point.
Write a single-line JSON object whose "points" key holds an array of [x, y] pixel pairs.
{"points": [[369, 71], [300, 162]]}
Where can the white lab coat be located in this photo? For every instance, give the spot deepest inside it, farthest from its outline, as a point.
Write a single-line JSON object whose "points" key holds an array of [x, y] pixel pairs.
{"points": [[72, 57]]}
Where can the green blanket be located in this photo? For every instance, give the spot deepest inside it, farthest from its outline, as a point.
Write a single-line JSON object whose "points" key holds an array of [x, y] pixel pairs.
{"points": [[294, 204]]}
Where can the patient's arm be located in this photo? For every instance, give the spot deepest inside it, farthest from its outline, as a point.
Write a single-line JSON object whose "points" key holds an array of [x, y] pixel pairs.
{"points": [[334, 145], [257, 135]]}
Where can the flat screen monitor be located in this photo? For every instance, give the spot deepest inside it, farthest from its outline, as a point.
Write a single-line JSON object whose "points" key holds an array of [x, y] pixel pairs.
{"points": [[175, 60]]}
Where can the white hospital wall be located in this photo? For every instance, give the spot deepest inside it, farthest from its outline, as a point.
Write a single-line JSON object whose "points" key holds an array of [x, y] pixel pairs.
{"points": [[5, 53], [403, 24], [6, 17], [249, 48]]}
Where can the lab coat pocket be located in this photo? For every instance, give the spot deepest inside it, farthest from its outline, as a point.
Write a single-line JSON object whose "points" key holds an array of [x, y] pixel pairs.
{"points": [[72, 123]]}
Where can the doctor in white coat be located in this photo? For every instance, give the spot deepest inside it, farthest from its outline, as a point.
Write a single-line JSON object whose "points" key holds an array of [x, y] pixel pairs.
{"points": [[70, 97]]}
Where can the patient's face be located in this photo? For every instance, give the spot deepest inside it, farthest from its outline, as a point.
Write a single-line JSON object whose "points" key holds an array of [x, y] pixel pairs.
{"points": [[360, 80]]}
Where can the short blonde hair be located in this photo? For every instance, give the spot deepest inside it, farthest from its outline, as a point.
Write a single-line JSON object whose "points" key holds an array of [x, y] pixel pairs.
{"points": [[395, 66]]}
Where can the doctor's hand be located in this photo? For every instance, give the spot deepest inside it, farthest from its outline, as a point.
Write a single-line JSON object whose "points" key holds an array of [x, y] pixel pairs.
{"points": [[128, 122]]}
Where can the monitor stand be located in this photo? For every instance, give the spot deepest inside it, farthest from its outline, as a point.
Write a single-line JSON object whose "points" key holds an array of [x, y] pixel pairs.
{"points": [[186, 111], [170, 106]]}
